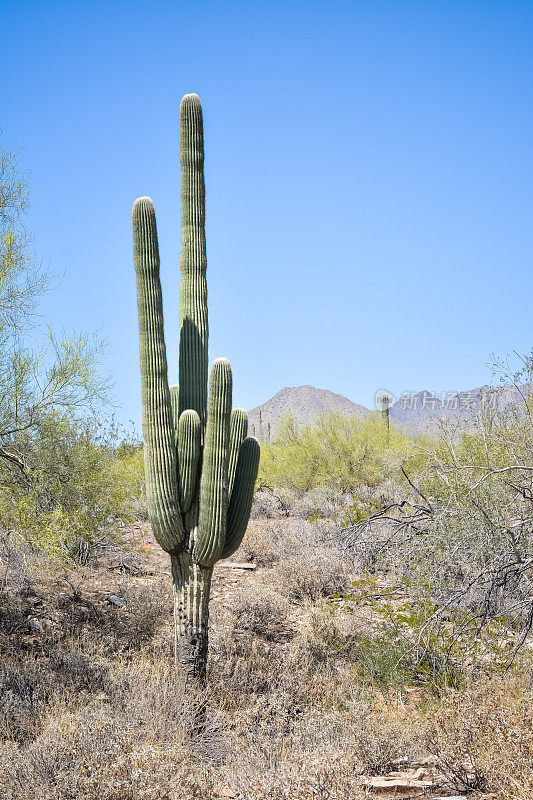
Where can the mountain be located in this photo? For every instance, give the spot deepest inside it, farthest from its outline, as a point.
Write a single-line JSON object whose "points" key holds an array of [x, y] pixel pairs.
{"points": [[413, 412], [425, 412], [304, 403]]}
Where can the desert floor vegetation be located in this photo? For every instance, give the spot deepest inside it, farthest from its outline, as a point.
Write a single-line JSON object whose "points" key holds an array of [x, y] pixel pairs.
{"points": [[305, 695], [368, 637]]}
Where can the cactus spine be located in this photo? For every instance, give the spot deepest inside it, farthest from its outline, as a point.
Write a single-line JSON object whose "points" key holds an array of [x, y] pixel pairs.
{"points": [[200, 465]]}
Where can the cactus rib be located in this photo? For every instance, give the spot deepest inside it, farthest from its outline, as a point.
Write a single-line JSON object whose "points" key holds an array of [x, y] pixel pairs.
{"points": [[189, 431], [238, 429]]}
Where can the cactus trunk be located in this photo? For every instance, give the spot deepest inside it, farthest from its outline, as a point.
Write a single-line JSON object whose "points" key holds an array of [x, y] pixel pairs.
{"points": [[200, 466], [191, 585]]}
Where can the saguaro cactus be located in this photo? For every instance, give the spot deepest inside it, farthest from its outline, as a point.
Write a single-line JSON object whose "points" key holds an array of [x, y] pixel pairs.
{"points": [[200, 466]]}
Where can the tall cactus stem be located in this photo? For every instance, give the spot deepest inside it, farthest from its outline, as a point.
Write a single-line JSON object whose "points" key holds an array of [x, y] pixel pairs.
{"points": [[174, 404], [189, 431], [193, 323], [242, 495]]}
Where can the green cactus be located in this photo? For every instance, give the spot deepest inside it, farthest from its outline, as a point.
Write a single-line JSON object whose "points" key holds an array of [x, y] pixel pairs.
{"points": [[200, 466], [385, 402]]}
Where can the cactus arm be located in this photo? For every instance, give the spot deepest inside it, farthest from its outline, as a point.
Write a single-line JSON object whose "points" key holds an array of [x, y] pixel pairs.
{"points": [[193, 324], [242, 496], [159, 449], [189, 449], [238, 430], [211, 534]]}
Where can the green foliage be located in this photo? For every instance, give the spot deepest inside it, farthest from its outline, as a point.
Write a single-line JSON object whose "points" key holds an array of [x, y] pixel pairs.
{"points": [[58, 484], [402, 647], [340, 452], [21, 281], [78, 483], [360, 509]]}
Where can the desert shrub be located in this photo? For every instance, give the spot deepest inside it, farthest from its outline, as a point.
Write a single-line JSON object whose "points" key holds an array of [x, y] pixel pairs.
{"points": [[482, 737], [262, 543], [373, 657], [95, 754], [23, 698], [78, 485], [459, 543], [239, 669], [269, 540], [318, 755], [261, 611], [149, 692], [318, 503], [311, 574], [390, 637], [29, 686], [377, 741], [304, 564], [110, 630], [268, 504], [15, 566], [77, 671], [337, 452]]}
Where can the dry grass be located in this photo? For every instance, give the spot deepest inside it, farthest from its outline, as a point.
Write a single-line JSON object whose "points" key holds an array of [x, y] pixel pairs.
{"points": [[92, 708], [482, 737], [304, 566]]}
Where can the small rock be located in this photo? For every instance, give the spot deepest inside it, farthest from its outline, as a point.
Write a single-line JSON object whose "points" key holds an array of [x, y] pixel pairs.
{"points": [[34, 600], [399, 787], [115, 600], [35, 625], [31, 641], [224, 791]]}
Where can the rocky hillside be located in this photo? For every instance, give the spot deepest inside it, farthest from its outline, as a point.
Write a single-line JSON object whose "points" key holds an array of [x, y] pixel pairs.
{"points": [[304, 404]]}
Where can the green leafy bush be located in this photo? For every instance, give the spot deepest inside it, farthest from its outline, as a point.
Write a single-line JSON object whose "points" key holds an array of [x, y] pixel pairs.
{"points": [[78, 483], [339, 452]]}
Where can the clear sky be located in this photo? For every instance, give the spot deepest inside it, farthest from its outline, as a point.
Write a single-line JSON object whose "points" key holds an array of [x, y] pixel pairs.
{"points": [[368, 170]]}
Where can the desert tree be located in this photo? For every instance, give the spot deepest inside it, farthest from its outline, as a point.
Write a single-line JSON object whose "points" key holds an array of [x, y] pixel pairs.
{"points": [[43, 375]]}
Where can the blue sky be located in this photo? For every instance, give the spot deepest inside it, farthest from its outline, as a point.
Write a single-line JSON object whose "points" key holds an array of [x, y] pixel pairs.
{"points": [[368, 171]]}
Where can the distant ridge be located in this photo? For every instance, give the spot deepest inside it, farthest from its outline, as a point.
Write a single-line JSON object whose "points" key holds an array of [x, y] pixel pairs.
{"points": [[413, 412]]}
